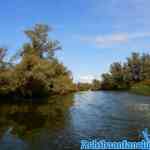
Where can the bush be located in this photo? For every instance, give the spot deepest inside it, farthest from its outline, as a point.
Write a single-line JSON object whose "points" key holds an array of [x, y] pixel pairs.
{"points": [[141, 88], [38, 77]]}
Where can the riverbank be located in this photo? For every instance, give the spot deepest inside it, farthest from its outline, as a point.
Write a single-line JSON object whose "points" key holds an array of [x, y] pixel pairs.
{"points": [[136, 89], [142, 88]]}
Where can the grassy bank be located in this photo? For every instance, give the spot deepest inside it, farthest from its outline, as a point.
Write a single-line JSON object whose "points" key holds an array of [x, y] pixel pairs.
{"points": [[142, 88]]}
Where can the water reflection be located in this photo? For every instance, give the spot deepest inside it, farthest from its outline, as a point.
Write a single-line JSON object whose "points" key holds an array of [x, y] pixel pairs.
{"points": [[62, 121], [22, 123]]}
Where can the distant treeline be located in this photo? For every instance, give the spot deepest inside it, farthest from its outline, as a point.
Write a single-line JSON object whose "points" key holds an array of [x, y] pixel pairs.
{"points": [[134, 75], [94, 86], [134, 70], [34, 70]]}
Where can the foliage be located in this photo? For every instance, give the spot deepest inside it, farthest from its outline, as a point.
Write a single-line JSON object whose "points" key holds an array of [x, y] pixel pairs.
{"points": [[39, 44], [38, 72], [141, 88], [6, 82], [96, 85], [107, 82], [84, 86], [123, 76], [3, 64]]}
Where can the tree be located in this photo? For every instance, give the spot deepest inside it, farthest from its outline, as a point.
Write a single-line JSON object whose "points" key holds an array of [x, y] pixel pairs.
{"points": [[116, 71], [145, 67], [83, 86], [39, 77], [134, 70], [39, 43], [107, 82], [96, 85], [134, 62], [38, 72], [6, 75], [2, 55], [127, 75]]}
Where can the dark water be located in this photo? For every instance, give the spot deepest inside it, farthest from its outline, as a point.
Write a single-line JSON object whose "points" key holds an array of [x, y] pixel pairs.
{"points": [[61, 122]]}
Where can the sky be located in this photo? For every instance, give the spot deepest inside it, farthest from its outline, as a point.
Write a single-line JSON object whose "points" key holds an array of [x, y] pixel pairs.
{"points": [[93, 33]]}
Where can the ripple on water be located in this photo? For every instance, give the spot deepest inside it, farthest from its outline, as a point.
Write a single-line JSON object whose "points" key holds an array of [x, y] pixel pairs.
{"points": [[109, 115]]}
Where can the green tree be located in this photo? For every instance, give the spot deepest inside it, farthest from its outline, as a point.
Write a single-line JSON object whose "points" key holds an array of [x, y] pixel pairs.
{"points": [[134, 63], [134, 70], [127, 75], [145, 67], [2, 55], [107, 82], [83, 86], [39, 43], [37, 72], [96, 85], [116, 71], [6, 80]]}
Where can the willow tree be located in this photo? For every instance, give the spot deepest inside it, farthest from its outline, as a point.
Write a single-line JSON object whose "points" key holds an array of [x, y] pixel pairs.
{"points": [[134, 63], [6, 80], [2, 55], [39, 72], [39, 43], [96, 85], [145, 67], [134, 70]]}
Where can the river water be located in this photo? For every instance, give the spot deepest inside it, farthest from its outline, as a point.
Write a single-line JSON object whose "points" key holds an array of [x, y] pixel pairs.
{"points": [[62, 121]]}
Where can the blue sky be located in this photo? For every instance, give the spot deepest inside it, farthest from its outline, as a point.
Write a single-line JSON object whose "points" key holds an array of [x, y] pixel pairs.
{"points": [[93, 33]]}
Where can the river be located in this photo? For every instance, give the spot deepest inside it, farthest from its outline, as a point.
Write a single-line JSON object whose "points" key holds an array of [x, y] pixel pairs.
{"points": [[60, 122]]}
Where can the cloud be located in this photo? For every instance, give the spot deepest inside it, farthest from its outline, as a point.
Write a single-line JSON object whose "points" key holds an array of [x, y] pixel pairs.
{"points": [[87, 78], [113, 39]]}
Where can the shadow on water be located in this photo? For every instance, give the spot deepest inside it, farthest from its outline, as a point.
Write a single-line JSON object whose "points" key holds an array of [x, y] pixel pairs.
{"points": [[25, 125]]}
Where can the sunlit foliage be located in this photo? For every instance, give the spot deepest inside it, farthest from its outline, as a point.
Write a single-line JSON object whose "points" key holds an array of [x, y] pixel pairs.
{"points": [[123, 76], [38, 72]]}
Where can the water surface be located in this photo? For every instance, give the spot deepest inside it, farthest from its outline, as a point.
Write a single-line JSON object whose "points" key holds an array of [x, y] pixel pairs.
{"points": [[62, 121]]}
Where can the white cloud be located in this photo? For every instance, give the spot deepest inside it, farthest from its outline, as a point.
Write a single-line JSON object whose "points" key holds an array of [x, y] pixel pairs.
{"points": [[115, 38], [87, 78]]}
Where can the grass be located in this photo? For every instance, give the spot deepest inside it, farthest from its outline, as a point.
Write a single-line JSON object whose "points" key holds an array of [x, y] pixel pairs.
{"points": [[142, 88]]}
